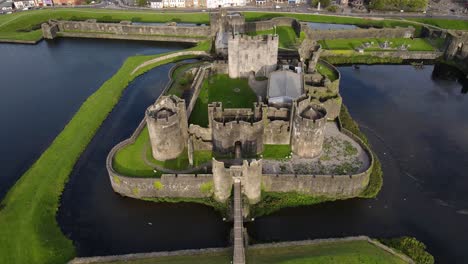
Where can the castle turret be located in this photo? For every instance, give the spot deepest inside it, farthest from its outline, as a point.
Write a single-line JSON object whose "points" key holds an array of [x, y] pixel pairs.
{"points": [[167, 127], [309, 122]]}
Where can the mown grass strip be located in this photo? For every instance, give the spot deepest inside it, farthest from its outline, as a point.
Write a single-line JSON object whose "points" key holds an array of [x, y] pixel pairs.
{"points": [[26, 25], [29, 232]]}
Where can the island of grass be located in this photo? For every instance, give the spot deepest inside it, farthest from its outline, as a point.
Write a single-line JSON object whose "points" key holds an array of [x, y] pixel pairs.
{"points": [[332, 252], [288, 39], [233, 93], [30, 233]]}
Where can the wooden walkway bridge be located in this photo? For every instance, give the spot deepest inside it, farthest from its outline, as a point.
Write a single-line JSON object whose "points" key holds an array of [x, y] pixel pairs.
{"points": [[239, 250]]}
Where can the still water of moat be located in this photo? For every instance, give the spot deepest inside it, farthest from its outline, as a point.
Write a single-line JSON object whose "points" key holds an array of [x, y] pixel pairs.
{"points": [[417, 124]]}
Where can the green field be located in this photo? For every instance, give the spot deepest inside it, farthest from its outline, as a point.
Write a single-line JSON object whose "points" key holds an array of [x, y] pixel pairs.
{"points": [[129, 160], [29, 232], [416, 44], [323, 69], [276, 151], [287, 36], [26, 25], [443, 23], [352, 252], [233, 93]]}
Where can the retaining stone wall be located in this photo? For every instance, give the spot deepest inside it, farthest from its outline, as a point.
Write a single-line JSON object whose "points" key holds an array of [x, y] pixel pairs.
{"points": [[405, 55], [397, 32]]}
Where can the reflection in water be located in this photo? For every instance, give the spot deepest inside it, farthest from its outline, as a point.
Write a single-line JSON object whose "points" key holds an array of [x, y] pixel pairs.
{"points": [[418, 128], [326, 26], [43, 85]]}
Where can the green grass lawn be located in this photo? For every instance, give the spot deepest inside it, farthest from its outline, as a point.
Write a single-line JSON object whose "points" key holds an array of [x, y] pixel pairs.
{"points": [[443, 23], [287, 36], [417, 44], [182, 79], [326, 71], [129, 160], [343, 252], [353, 252], [29, 232], [276, 151], [221, 88], [208, 258], [26, 25]]}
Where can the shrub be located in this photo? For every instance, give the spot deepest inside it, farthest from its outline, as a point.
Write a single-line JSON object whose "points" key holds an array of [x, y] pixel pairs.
{"points": [[158, 185], [207, 187], [410, 246], [332, 8]]}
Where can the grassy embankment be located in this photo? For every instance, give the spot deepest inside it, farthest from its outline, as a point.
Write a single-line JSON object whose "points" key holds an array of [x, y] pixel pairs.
{"points": [[129, 160], [324, 253], [29, 232], [26, 25], [233, 93], [288, 39], [443, 23], [326, 71]]}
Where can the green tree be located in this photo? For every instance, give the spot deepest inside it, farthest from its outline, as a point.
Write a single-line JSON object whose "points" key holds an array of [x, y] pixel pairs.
{"points": [[415, 249], [141, 2]]}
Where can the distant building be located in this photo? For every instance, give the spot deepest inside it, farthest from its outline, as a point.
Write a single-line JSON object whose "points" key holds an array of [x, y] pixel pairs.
{"points": [[44, 3], [21, 4], [68, 2], [260, 2], [174, 3], [156, 3], [344, 2], [225, 3]]}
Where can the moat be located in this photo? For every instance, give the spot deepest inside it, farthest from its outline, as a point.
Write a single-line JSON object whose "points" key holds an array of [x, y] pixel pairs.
{"points": [[420, 195]]}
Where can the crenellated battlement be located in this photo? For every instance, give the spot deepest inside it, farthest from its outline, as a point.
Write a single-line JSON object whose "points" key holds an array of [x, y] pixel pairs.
{"points": [[167, 127]]}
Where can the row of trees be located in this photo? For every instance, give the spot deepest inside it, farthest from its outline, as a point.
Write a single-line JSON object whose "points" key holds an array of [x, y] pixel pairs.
{"points": [[407, 5]]}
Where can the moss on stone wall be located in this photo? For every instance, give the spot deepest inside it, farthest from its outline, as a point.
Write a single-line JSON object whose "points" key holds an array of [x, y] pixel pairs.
{"points": [[271, 202], [222, 208], [376, 177]]}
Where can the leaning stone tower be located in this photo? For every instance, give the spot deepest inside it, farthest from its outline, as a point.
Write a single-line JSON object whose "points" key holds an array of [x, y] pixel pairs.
{"points": [[167, 126], [308, 127]]}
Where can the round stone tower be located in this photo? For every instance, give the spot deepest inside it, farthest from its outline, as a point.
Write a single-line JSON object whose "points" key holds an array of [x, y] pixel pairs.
{"points": [[167, 127], [308, 127]]}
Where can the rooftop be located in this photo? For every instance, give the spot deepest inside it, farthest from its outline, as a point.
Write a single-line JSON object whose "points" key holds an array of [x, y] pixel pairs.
{"points": [[283, 87]]}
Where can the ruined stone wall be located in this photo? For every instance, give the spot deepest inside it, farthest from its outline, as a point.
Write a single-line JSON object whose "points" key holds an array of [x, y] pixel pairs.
{"points": [[277, 126], [130, 29], [270, 24], [196, 87], [222, 181], [220, 67], [456, 45], [397, 32], [332, 186], [252, 180], [401, 54], [200, 137], [167, 127], [125, 30], [249, 173], [246, 54], [169, 185], [307, 134], [49, 31]]}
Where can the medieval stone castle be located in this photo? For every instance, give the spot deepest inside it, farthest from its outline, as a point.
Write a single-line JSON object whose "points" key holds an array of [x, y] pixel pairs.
{"points": [[294, 108]]}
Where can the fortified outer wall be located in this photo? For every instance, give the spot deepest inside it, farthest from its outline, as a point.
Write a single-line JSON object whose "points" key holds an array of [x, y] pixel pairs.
{"points": [[250, 175], [246, 54], [397, 32], [124, 30], [332, 186], [456, 45], [308, 126], [169, 185], [167, 127], [401, 54]]}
